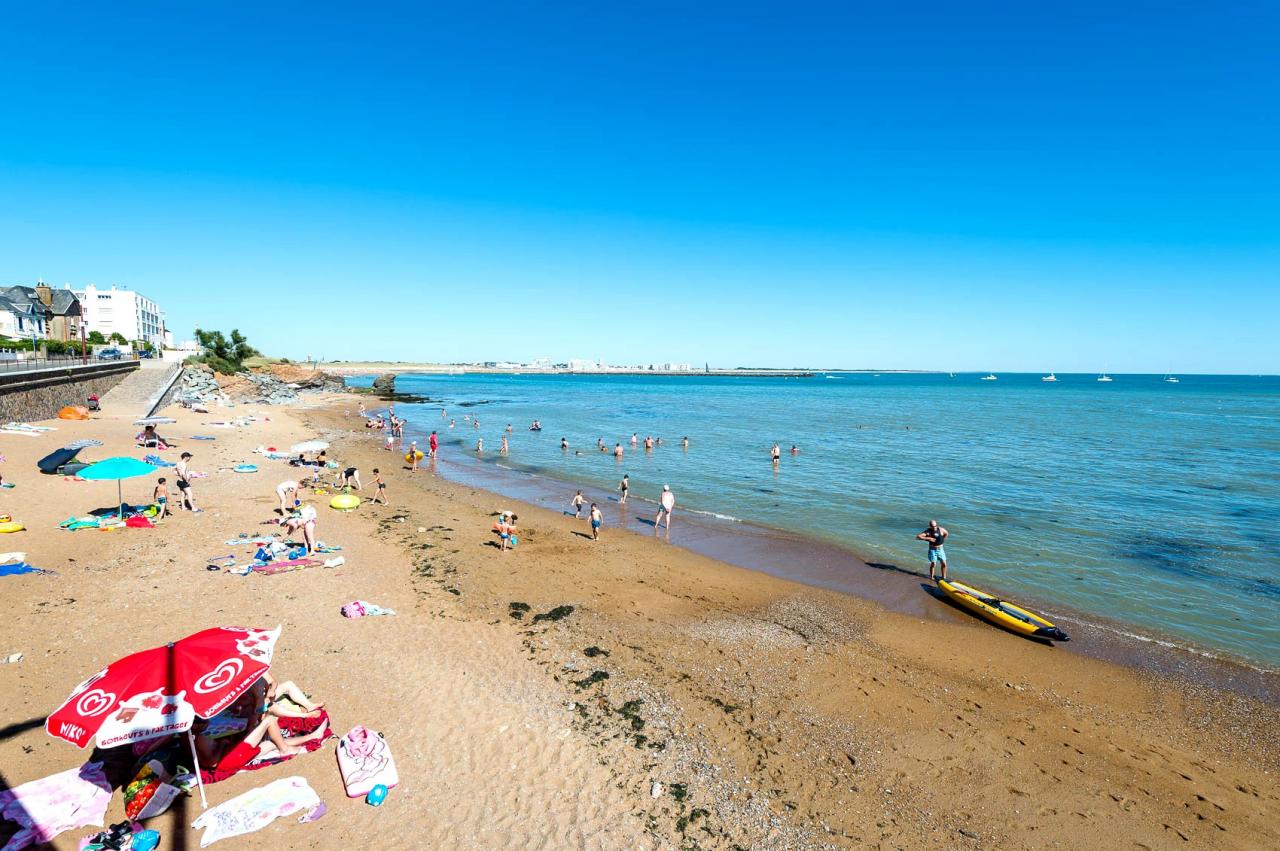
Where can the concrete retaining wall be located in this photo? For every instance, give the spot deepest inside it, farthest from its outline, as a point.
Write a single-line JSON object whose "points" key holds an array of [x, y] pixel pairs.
{"points": [[39, 394]]}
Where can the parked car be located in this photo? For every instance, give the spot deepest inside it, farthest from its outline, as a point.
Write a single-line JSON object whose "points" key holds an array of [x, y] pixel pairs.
{"points": [[110, 354], [146, 353]]}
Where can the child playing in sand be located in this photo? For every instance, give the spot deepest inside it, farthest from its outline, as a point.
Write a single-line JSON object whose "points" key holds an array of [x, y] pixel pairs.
{"points": [[578, 501], [161, 498], [379, 488], [506, 528]]}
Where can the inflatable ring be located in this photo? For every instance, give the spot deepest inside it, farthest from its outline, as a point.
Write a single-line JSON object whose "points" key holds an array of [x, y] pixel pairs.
{"points": [[11, 526], [345, 502], [246, 468], [408, 456]]}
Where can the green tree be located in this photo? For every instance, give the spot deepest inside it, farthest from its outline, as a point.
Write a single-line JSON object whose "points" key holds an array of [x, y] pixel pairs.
{"points": [[96, 339], [225, 354], [117, 338]]}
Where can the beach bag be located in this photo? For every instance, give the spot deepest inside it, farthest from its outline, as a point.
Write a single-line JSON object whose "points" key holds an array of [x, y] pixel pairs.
{"points": [[364, 760]]}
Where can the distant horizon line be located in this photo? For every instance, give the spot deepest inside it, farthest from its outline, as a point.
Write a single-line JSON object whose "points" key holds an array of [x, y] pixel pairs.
{"points": [[482, 365]]}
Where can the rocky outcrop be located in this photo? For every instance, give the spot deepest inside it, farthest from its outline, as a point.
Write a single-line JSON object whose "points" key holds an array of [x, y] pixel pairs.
{"points": [[323, 382], [200, 385], [385, 385]]}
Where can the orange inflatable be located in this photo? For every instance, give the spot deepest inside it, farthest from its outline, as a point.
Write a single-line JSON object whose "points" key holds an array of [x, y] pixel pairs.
{"points": [[74, 412]]}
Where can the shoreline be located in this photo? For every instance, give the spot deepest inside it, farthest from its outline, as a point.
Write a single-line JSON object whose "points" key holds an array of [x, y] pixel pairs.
{"points": [[760, 547], [661, 607]]}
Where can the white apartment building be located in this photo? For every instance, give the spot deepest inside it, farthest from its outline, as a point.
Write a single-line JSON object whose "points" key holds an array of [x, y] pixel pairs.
{"points": [[122, 311]]}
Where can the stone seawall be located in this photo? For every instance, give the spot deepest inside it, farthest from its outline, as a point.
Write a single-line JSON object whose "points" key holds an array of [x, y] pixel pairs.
{"points": [[39, 394]]}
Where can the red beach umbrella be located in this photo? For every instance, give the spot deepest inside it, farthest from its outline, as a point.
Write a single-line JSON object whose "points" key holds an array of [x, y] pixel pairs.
{"points": [[160, 691]]}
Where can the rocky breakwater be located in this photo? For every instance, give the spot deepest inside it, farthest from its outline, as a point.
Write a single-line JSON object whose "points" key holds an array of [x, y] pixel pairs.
{"points": [[201, 385]]}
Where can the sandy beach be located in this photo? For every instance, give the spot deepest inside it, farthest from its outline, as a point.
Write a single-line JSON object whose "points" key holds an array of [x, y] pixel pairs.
{"points": [[681, 702]]}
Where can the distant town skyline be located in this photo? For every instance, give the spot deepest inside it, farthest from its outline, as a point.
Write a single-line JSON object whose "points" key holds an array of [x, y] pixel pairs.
{"points": [[923, 187]]}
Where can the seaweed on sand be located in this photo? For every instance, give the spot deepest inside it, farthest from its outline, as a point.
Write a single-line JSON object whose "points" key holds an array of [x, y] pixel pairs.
{"points": [[595, 677], [517, 610], [556, 614]]}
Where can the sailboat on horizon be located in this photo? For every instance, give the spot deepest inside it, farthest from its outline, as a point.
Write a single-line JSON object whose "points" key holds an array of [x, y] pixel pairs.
{"points": [[1049, 377], [1104, 377], [990, 376], [1170, 379]]}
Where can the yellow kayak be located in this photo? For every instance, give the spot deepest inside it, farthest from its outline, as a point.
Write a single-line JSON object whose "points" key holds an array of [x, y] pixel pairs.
{"points": [[1001, 612]]}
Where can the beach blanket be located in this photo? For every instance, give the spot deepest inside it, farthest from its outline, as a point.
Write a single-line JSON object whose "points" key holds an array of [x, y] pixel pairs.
{"points": [[364, 609], [202, 437], [73, 523], [157, 461], [27, 427], [254, 541], [255, 809], [44, 808], [286, 566]]}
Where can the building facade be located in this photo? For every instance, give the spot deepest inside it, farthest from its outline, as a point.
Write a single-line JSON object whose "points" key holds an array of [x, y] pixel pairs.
{"points": [[120, 311], [39, 312]]}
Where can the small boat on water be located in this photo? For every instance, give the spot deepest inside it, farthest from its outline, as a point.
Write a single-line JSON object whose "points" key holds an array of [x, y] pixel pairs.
{"points": [[1105, 377], [1001, 612], [1171, 379], [990, 376], [1049, 377]]}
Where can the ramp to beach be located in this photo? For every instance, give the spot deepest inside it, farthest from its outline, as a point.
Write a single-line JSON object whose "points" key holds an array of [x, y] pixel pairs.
{"points": [[140, 391]]}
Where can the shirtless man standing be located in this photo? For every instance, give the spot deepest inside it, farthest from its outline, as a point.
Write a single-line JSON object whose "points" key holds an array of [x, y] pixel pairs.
{"points": [[936, 536]]}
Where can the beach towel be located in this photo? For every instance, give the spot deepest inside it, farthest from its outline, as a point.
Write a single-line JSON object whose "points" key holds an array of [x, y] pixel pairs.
{"points": [[255, 540], [255, 809], [202, 437], [73, 523], [44, 808], [139, 522], [19, 569], [286, 566], [364, 609], [157, 461]]}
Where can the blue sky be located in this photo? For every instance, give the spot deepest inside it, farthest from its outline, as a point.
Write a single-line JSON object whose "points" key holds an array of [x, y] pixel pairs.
{"points": [[932, 185]]}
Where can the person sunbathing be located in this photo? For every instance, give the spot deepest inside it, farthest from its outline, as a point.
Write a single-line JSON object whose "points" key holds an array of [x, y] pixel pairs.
{"points": [[280, 698], [151, 439], [219, 760]]}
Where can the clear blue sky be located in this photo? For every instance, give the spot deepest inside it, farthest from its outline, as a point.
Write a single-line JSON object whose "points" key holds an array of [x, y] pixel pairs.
{"points": [[935, 185]]}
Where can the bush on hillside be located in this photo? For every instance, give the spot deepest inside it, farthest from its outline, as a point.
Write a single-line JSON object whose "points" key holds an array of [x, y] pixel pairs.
{"points": [[225, 354]]}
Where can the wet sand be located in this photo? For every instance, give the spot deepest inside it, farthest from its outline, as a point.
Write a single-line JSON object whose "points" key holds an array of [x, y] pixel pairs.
{"points": [[769, 714]]}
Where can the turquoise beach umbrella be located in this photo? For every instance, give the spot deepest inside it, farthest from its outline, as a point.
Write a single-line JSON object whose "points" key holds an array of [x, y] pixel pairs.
{"points": [[118, 468]]}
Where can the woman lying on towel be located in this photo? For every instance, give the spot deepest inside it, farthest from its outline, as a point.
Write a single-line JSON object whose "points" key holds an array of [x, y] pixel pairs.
{"points": [[218, 761], [286, 700]]}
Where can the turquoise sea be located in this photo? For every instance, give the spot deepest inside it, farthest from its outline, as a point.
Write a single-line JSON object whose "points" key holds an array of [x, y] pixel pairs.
{"points": [[1151, 504]]}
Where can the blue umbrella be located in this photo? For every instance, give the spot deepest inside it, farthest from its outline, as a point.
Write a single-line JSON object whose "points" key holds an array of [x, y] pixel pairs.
{"points": [[118, 468]]}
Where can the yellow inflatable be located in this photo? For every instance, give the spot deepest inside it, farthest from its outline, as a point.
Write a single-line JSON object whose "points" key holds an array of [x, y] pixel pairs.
{"points": [[11, 526], [345, 502], [408, 456]]}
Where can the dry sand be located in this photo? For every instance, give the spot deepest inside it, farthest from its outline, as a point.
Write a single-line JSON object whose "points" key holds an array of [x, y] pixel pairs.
{"points": [[768, 714]]}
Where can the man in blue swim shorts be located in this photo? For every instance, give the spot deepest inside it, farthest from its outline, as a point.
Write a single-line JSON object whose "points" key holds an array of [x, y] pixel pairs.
{"points": [[935, 535]]}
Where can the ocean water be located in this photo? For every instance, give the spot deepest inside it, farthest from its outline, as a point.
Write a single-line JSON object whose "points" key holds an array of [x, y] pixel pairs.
{"points": [[1151, 504]]}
